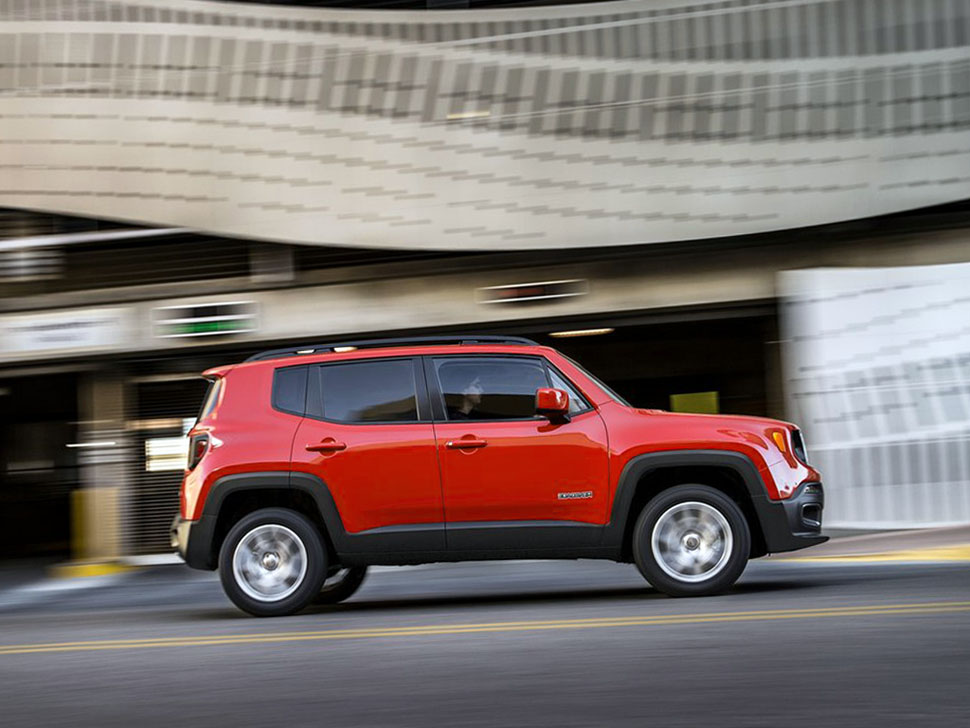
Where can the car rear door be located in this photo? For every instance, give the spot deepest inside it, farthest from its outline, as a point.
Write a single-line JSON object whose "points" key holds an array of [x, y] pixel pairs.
{"points": [[368, 436], [511, 479]]}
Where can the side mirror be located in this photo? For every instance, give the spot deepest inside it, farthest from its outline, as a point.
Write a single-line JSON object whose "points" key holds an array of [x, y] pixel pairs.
{"points": [[552, 403]]}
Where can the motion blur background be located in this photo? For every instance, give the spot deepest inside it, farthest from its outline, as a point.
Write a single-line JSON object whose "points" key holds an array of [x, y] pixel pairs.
{"points": [[745, 206]]}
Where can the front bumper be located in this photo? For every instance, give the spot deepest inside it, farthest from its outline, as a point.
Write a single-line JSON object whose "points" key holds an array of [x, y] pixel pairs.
{"points": [[794, 523], [193, 541]]}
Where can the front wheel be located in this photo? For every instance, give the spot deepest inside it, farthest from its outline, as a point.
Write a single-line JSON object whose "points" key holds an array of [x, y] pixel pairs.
{"points": [[691, 540], [272, 562]]}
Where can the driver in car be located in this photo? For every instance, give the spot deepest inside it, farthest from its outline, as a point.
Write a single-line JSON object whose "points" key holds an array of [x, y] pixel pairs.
{"points": [[471, 398]]}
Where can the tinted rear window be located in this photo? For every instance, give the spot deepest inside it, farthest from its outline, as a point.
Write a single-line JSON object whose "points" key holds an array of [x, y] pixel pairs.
{"points": [[289, 389], [211, 398], [369, 391]]}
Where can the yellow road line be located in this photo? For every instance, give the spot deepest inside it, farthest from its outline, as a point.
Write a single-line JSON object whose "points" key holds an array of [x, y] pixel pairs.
{"points": [[446, 629], [944, 553], [638, 618]]}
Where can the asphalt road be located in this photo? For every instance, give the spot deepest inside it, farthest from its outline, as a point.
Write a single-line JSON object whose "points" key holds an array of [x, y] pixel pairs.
{"points": [[503, 644]]}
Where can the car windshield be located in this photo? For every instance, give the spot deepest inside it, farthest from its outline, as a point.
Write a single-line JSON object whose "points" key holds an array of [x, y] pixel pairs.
{"points": [[598, 382]]}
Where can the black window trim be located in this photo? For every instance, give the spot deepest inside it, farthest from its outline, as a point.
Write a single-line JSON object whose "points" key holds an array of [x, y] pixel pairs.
{"points": [[314, 397], [438, 400]]}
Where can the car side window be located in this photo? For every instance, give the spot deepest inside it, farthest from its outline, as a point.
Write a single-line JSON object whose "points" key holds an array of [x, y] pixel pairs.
{"points": [[577, 403], [369, 391], [289, 390], [489, 388]]}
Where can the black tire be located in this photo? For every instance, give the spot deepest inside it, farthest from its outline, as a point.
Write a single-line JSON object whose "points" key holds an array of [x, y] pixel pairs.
{"points": [[689, 522], [341, 585], [307, 565]]}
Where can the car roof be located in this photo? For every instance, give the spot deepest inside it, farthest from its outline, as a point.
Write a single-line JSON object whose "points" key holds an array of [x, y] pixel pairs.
{"points": [[309, 356], [341, 346]]}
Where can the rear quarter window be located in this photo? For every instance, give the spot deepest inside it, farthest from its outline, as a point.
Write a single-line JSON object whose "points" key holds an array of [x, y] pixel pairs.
{"points": [[289, 390], [211, 399]]}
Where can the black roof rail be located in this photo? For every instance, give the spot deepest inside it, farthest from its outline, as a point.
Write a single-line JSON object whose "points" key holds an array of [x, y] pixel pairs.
{"points": [[377, 343]]}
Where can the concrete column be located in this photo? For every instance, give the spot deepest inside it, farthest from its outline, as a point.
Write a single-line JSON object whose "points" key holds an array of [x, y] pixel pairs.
{"points": [[774, 373], [103, 444]]}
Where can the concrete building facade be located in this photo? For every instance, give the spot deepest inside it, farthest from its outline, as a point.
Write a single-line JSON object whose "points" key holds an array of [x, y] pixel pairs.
{"points": [[186, 182]]}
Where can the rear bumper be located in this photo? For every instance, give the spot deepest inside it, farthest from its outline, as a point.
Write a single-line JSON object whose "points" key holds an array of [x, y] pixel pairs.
{"points": [[178, 534], [193, 541], [794, 523]]}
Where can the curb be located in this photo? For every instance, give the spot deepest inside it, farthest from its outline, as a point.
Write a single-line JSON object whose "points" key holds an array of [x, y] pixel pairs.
{"points": [[83, 569], [108, 567]]}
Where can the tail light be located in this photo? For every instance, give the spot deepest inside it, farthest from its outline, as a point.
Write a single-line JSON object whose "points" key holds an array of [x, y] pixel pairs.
{"points": [[198, 446]]}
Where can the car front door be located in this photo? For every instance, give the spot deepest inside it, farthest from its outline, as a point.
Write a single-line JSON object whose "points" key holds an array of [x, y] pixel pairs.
{"points": [[368, 436], [513, 480]]}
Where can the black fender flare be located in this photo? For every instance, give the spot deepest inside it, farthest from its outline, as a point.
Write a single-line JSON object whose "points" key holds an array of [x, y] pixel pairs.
{"points": [[200, 552], [641, 466], [777, 520]]}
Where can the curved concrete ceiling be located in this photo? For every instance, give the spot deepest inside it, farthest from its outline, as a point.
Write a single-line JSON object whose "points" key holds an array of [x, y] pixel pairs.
{"points": [[542, 128]]}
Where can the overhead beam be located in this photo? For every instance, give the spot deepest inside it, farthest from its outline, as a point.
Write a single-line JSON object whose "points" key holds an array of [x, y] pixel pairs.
{"points": [[96, 236]]}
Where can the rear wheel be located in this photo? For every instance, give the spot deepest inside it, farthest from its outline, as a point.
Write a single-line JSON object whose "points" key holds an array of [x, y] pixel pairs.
{"points": [[341, 585], [272, 562], [691, 540]]}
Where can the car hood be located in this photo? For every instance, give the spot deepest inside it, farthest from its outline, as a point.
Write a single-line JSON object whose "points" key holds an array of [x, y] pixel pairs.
{"points": [[736, 421]]}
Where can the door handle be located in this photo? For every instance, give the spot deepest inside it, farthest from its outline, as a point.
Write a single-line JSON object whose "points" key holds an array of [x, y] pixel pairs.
{"points": [[465, 444], [327, 445]]}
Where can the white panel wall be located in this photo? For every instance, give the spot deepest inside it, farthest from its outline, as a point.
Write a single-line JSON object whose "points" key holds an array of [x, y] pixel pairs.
{"points": [[877, 368]]}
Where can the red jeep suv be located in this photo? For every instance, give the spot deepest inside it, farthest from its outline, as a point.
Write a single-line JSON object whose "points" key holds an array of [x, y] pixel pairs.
{"points": [[309, 464]]}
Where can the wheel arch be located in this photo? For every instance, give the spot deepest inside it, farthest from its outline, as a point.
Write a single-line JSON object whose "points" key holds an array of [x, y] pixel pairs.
{"points": [[648, 475], [234, 496]]}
